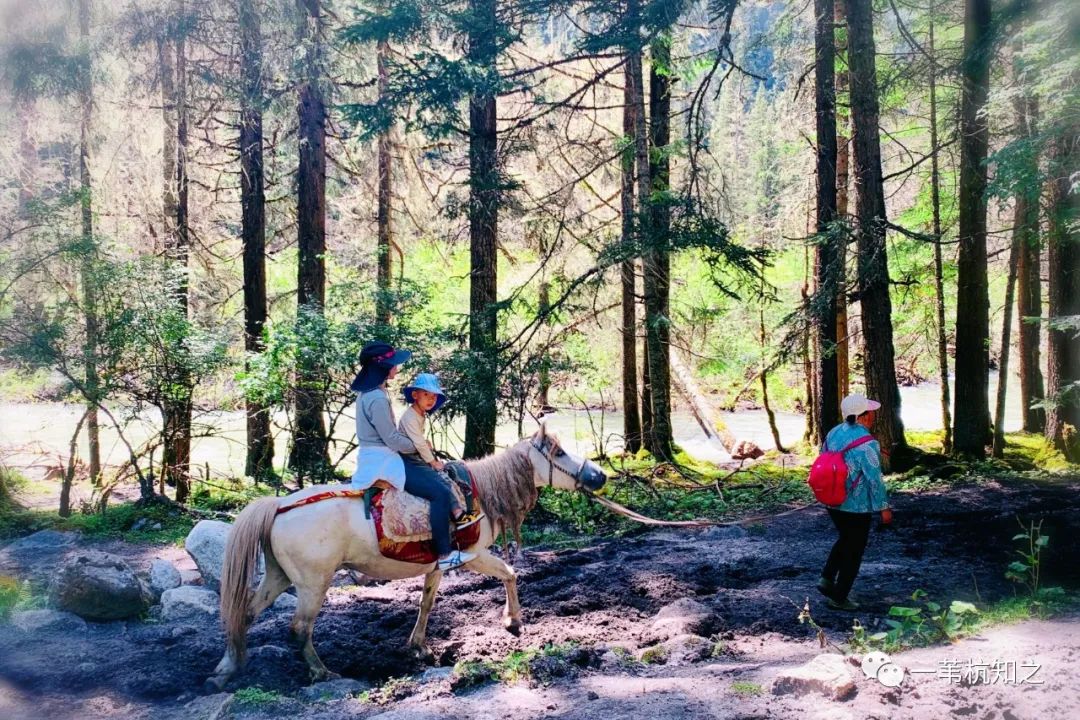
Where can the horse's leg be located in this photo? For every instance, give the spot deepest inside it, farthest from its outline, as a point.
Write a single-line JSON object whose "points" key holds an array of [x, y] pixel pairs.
{"points": [[273, 584], [310, 602], [487, 564], [419, 633]]}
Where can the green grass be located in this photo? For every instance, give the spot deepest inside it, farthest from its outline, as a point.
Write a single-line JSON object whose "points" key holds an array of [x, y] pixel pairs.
{"points": [[531, 665], [740, 687], [115, 523], [255, 697], [20, 386]]}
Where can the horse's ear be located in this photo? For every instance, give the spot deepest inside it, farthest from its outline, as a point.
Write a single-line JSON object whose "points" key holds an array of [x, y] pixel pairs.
{"points": [[542, 432]]}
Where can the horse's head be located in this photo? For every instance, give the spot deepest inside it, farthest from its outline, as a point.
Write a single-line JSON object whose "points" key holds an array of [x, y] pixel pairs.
{"points": [[555, 467]]}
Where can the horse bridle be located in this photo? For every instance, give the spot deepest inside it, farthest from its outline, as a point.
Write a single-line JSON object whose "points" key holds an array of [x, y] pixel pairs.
{"points": [[548, 455]]}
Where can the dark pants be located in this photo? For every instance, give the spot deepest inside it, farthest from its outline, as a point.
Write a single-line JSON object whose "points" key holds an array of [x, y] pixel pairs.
{"points": [[422, 480], [843, 564]]}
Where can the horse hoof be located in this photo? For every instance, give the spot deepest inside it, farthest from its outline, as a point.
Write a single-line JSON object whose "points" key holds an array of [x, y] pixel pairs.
{"points": [[423, 653], [213, 685], [324, 676], [513, 627]]}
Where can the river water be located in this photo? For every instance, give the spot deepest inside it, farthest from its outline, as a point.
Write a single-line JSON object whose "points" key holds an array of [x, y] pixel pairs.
{"points": [[37, 435]]}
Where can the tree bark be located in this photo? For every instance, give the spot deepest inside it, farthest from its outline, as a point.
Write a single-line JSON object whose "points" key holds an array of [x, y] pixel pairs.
{"points": [[873, 267], [1063, 294], [310, 453], [998, 445], [89, 246], [260, 442], [843, 144], [656, 264], [972, 410], [383, 304], [1029, 293], [939, 275], [826, 251], [484, 199], [176, 406], [627, 271]]}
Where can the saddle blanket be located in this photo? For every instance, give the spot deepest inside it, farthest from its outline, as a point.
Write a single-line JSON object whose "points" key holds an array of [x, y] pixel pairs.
{"points": [[403, 526]]}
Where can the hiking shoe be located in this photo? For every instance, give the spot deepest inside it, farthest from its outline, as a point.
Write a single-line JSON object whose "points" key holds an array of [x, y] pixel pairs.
{"points": [[467, 520], [846, 604], [455, 560], [826, 587]]}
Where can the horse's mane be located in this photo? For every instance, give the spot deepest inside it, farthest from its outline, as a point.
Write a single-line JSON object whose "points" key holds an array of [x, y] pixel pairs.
{"points": [[506, 487]]}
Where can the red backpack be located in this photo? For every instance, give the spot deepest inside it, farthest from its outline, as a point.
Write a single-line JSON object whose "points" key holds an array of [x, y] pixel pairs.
{"points": [[828, 474]]}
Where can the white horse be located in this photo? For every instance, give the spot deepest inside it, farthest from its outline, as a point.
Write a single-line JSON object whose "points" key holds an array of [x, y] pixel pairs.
{"points": [[307, 545]]}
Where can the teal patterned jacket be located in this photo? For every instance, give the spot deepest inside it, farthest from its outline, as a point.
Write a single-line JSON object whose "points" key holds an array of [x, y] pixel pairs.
{"points": [[866, 491]]}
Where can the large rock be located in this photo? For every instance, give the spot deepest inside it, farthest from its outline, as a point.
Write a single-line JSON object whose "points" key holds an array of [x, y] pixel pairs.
{"points": [[37, 556], [163, 576], [35, 621], [98, 586], [190, 604], [685, 616], [826, 674], [206, 546], [208, 707]]}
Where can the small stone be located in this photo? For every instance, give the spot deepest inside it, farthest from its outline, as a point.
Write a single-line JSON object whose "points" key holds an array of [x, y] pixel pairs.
{"points": [[163, 576], [209, 707], [156, 526], [437, 674], [724, 532], [333, 690], [592, 695], [682, 617], [827, 674], [285, 603], [190, 604], [687, 649], [35, 621]]}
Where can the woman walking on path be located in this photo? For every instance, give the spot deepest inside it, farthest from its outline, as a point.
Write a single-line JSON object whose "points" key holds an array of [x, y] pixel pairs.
{"points": [[866, 495]]}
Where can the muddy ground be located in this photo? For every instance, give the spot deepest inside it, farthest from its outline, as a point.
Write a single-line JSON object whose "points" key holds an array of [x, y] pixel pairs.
{"points": [[953, 544]]}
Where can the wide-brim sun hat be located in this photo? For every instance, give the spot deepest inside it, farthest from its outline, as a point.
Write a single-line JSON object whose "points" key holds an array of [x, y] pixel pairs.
{"points": [[377, 359], [856, 404], [430, 383]]}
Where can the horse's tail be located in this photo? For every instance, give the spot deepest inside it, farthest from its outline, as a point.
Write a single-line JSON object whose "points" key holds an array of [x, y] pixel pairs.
{"points": [[250, 535]]}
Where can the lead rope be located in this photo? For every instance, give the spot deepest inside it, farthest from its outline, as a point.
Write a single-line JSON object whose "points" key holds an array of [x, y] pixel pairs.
{"points": [[645, 520]]}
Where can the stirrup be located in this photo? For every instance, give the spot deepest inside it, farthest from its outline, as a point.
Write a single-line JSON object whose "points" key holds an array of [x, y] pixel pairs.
{"points": [[455, 560]]}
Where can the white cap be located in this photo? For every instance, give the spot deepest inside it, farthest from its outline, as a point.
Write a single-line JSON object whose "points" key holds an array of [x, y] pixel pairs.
{"points": [[856, 404]]}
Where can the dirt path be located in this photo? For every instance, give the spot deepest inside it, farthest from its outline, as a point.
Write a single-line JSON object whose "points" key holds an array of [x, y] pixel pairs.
{"points": [[954, 545]]}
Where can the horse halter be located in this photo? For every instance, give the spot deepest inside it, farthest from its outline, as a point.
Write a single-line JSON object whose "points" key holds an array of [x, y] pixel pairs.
{"points": [[549, 456]]}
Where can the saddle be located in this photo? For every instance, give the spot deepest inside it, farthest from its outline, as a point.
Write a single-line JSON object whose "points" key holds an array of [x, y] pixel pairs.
{"points": [[403, 524]]}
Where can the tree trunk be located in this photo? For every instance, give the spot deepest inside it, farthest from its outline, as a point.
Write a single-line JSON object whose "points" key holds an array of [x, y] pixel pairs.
{"points": [[972, 409], [843, 142], [89, 247], [167, 72], [544, 307], [176, 409], [939, 275], [656, 269], [826, 251], [484, 194], [631, 417], [310, 453], [1063, 294], [1029, 293], [998, 447], [383, 304], [260, 442], [873, 267], [765, 372]]}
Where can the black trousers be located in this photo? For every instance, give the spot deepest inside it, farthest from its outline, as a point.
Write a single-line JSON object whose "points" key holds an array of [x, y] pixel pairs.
{"points": [[423, 481], [842, 567]]}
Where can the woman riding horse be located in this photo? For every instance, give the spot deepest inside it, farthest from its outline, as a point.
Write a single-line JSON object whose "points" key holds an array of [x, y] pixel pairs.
{"points": [[379, 462]]}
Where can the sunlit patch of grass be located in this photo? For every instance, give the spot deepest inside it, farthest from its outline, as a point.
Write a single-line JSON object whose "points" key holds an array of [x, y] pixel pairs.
{"points": [[255, 697], [741, 687]]}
